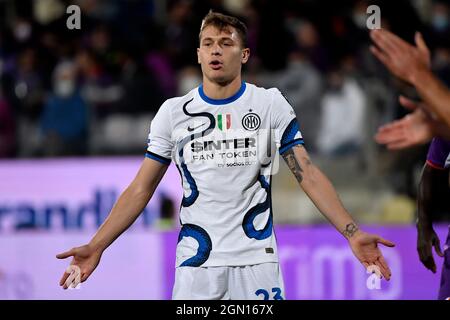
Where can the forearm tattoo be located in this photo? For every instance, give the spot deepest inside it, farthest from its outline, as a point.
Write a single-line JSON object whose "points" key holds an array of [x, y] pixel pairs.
{"points": [[350, 230], [293, 164]]}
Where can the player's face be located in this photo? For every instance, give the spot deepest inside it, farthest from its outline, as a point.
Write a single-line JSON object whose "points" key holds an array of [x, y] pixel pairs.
{"points": [[221, 54]]}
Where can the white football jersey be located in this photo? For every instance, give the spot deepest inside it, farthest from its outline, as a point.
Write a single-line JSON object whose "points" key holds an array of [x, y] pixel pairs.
{"points": [[225, 151]]}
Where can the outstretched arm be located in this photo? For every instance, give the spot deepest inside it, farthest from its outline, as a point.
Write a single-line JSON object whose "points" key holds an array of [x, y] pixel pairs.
{"points": [[130, 204], [126, 210], [320, 190], [434, 93]]}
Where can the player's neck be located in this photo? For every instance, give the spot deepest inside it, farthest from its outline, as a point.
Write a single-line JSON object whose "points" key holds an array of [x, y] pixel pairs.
{"points": [[215, 90]]}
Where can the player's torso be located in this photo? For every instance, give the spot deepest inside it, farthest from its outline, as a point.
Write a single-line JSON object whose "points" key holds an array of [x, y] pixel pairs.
{"points": [[223, 145], [224, 153]]}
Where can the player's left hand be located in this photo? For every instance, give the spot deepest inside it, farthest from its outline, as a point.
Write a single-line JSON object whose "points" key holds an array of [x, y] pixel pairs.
{"points": [[401, 58], [365, 248]]}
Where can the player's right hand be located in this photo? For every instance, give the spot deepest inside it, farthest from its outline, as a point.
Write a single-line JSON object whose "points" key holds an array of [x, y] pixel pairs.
{"points": [[85, 260], [426, 240], [414, 129]]}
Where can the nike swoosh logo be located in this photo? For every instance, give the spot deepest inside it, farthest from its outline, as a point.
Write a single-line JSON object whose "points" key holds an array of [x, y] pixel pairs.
{"points": [[192, 129]]}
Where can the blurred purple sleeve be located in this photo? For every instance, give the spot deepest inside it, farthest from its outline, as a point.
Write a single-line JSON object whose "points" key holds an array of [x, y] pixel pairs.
{"points": [[438, 153]]}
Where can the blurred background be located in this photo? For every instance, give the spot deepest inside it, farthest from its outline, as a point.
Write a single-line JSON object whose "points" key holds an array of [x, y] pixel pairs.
{"points": [[76, 107]]}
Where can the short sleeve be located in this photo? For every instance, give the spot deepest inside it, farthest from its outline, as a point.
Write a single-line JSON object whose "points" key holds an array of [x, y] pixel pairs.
{"points": [[160, 143], [284, 122], [438, 153]]}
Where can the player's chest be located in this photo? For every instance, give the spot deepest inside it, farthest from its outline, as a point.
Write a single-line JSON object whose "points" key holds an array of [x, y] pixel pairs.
{"points": [[242, 118], [223, 136]]}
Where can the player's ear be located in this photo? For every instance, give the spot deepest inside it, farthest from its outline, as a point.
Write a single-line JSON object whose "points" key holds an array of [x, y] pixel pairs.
{"points": [[198, 55], [245, 55]]}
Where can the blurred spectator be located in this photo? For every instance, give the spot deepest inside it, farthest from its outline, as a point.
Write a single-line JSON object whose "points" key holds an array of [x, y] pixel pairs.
{"points": [[142, 89], [440, 19], [47, 11], [441, 64], [308, 42], [159, 66], [22, 30], [105, 49], [64, 120], [28, 84], [188, 79], [301, 84], [181, 35], [274, 40], [97, 87], [341, 130], [252, 19]]}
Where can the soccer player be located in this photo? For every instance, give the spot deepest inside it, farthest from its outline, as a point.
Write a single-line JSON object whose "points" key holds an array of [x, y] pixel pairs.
{"points": [[433, 199], [221, 137]]}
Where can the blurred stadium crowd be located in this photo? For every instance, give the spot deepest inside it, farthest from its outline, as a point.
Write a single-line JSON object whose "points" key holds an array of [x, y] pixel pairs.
{"points": [[94, 91]]}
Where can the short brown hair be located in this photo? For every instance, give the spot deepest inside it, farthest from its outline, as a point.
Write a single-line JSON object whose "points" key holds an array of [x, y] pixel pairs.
{"points": [[221, 22]]}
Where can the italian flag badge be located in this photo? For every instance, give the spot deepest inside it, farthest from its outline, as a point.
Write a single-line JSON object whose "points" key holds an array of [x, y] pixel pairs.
{"points": [[224, 121]]}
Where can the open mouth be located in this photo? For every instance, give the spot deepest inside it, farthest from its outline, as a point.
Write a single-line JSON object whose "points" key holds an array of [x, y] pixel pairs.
{"points": [[216, 64]]}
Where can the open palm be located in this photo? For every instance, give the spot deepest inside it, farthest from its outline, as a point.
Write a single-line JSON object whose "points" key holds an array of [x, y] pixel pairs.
{"points": [[413, 129], [85, 260], [365, 248]]}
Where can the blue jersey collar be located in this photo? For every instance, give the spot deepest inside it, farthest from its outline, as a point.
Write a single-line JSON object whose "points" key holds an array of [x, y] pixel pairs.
{"points": [[234, 97]]}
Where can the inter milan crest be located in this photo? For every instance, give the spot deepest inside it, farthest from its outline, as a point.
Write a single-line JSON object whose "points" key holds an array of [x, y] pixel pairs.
{"points": [[251, 121]]}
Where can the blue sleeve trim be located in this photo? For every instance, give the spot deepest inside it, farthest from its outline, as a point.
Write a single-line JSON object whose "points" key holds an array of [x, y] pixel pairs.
{"points": [[290, 132], [158, 158], [289, 145]]}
